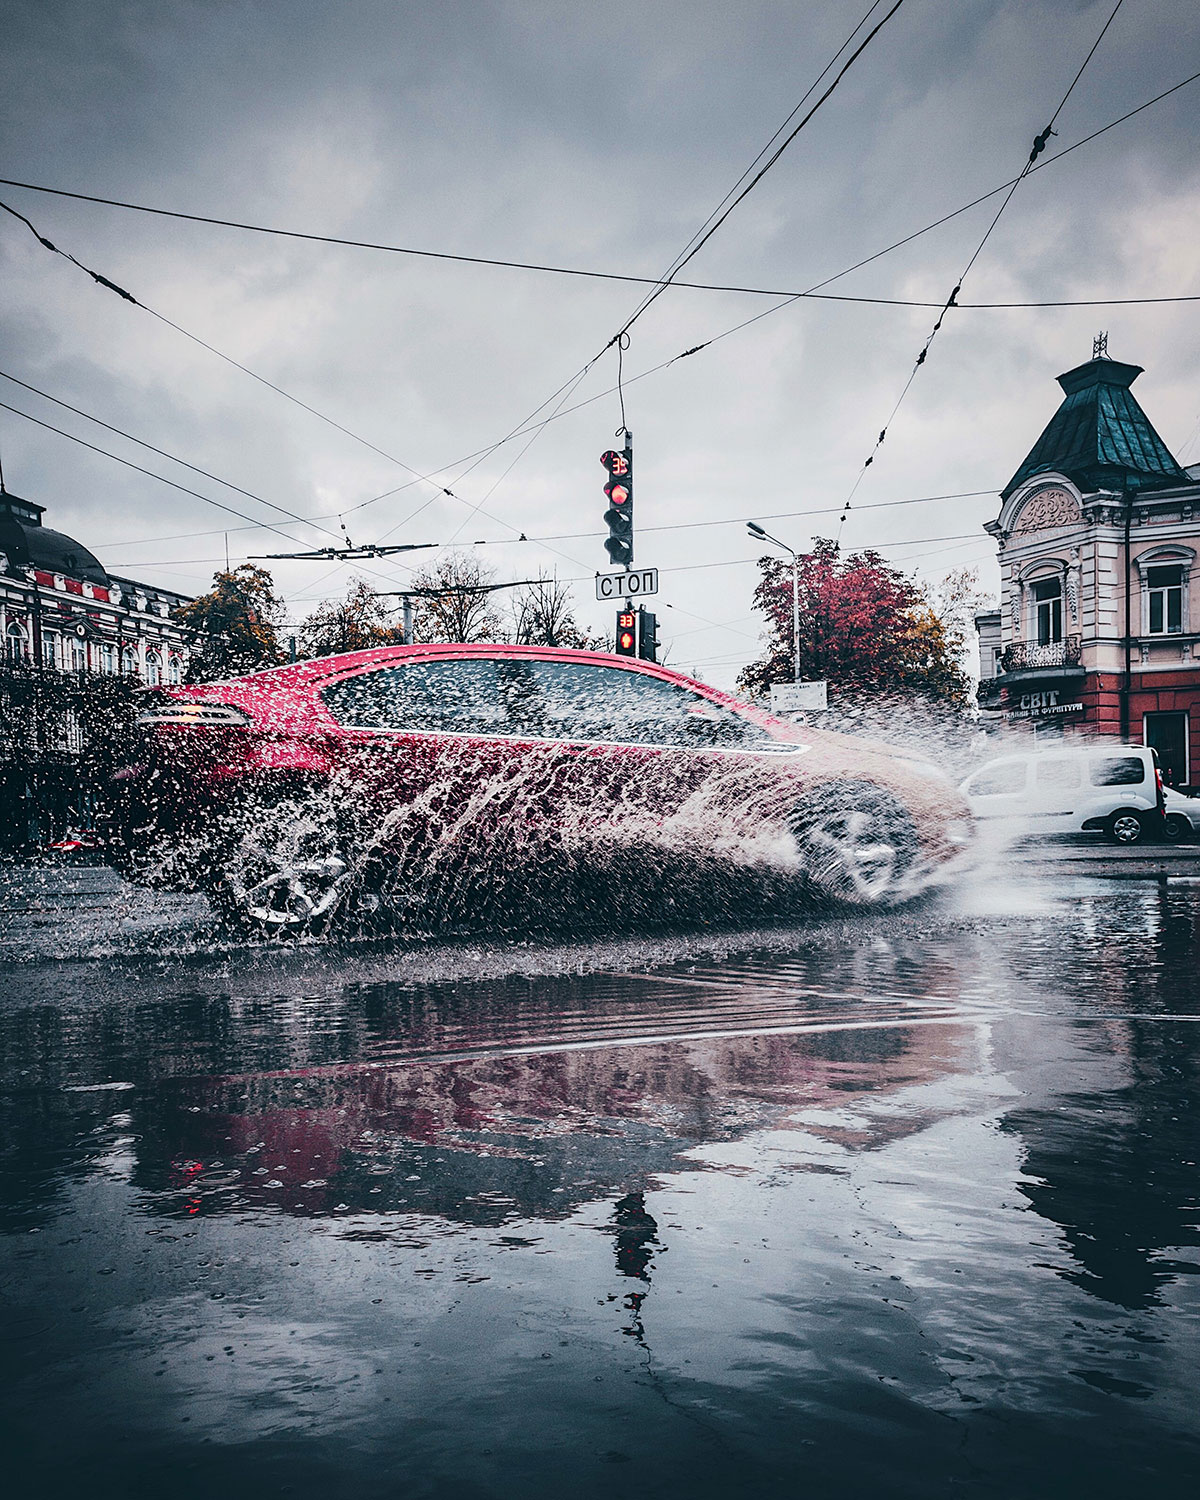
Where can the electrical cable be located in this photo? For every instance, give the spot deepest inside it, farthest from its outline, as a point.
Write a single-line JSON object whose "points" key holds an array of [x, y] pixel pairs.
{"points": [[1039, 145], [729, 201], [220, 354], [788, 299], [568, 536], [962, 536], [162, 453], [534, 266], [698, 240], [791, 297], [811, 294], [129, 464]]}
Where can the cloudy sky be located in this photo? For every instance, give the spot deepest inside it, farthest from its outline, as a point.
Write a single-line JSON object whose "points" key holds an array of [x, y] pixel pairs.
{"points": [[597, 137]]}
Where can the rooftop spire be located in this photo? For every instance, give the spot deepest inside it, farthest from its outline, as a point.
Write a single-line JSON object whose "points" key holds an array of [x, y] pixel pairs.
{"points": [[1099, 437]]}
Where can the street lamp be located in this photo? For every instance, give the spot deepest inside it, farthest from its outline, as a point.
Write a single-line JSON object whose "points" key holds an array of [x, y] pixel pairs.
{"points": [[756, 531]]}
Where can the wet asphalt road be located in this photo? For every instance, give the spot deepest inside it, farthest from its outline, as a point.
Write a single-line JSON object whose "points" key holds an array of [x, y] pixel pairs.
{"points": [[904, 1205]]}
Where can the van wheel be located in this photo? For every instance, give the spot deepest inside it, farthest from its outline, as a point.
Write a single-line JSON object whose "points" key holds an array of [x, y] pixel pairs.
{"points": [[1125, 826]]}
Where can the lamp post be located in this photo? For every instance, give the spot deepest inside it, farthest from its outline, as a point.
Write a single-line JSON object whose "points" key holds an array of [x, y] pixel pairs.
{"points": [[756, 531]]}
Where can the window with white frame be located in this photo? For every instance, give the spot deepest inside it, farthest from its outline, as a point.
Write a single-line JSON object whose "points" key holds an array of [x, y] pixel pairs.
{"points": [[1164, 600], [1047, 610], [153, 668], [108, 658], [16, 643], [50, 648]]}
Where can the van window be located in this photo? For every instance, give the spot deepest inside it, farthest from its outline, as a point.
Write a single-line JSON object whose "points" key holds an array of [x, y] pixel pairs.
{"points": [[1118, 770], [1057, 773], [993, 781]]}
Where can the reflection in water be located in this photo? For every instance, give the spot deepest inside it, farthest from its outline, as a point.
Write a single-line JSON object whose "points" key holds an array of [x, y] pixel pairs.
{"points": [[636, 1235], [915, 1204]]}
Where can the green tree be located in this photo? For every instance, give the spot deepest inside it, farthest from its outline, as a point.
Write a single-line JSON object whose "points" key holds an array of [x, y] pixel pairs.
{"points": [[865, 627], [354, 623], [234, 627]]}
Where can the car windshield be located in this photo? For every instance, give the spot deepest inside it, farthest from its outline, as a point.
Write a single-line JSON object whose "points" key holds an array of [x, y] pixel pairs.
{"points": [[537, 699]]}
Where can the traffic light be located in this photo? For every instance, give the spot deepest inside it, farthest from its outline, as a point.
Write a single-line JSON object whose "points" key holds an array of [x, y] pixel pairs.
{"points": [[627, 632], [619, 515], [647, 635]]}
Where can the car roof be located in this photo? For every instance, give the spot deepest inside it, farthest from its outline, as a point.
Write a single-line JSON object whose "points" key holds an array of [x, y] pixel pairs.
{"points": [[310, 675]]}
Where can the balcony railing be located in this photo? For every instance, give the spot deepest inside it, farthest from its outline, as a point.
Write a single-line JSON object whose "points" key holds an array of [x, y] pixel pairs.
{"points": [[1022, 655]]}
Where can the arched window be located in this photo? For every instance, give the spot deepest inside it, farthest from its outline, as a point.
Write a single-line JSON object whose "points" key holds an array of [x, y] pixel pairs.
{"points": [[175, 669], [129, 661], [16, 642], [153, 668]]}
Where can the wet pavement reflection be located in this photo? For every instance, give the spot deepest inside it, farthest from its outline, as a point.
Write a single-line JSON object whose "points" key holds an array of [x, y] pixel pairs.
{"points": [[907, 1206]]}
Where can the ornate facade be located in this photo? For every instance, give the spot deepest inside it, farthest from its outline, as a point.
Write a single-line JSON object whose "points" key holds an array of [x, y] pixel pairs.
{"points": [[1098, 627], [60, 607]]}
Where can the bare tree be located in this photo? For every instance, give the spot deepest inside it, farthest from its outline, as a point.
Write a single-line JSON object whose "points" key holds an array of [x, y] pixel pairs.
{"points": [[454, 601], [542, 616]]}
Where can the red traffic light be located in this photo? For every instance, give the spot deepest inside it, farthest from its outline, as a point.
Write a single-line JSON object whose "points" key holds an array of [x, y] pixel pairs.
{"points": [[617, 464], [617, 493], [626, 632]]}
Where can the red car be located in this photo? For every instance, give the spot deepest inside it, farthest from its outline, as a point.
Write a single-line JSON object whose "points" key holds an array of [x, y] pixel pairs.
{"points": [[429, 784]]}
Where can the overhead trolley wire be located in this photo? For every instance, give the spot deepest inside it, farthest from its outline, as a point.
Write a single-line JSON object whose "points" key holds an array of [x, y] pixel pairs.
{"points": [[814, 292], [129, 464], [737, 193], [128, 296], [1039, 145], [162, 453], [576, 271]]}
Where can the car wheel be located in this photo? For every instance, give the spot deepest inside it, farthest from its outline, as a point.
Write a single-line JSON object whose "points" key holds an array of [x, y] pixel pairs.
{"points": [[1176, 828], [856, 843], [1125, 826], [286, 875]]}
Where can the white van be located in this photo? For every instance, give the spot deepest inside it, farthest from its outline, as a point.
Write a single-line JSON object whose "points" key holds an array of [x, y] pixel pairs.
{"points": [[1116, 789]]}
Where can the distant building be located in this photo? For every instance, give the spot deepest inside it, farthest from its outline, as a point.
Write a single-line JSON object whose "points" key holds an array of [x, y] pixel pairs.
{"points": [[1099, 621], [60, 607]]}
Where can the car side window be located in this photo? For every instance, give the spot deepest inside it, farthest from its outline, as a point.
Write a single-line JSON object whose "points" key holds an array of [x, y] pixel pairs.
{"points": [[581, 701], [1004, 777], [1057, 774], [1118, 770], [453, 697]]}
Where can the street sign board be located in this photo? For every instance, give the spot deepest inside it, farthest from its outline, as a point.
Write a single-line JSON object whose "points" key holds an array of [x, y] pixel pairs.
{"points": [[627, 585], [787, 697]]}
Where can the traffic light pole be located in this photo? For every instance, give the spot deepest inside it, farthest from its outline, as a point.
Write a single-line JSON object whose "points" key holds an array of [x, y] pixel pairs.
{"points": [[629, 470]]}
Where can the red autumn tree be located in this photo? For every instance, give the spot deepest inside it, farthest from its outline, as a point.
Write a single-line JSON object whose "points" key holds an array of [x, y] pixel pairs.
{"points": [[864, 627]]}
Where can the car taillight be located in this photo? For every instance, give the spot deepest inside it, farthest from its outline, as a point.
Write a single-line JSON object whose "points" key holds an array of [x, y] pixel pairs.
{"points": [[199, 715]]}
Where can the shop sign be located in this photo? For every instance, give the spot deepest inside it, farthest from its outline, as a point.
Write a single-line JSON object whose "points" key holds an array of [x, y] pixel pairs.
{"points": [[1041, 706]]}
